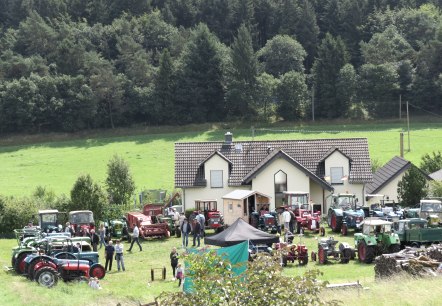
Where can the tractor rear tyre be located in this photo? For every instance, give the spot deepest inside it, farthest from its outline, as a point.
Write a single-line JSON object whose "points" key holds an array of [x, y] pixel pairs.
{"points": [[394, 248], [335, 222], [30, 273], [97, 271], [344, 229], [19, 265], [365, 252], [322, 256], [322, 231], [345, 256], [47, 277], [313, 256]]}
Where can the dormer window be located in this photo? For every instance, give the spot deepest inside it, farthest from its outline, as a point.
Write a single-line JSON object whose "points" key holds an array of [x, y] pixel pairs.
{"points": [[216, 178], [336, 175]]}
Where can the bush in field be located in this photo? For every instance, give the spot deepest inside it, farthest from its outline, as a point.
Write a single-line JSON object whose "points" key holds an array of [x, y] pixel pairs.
{"points": [[16, 213], [261, 284], [119, 181], [87, 195]]}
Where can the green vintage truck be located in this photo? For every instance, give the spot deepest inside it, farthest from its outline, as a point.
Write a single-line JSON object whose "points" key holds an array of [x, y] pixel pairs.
{"points": [[416, 232]]}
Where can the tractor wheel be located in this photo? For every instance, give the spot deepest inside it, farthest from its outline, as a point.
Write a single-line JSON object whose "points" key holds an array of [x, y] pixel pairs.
{"points": [[313, 256], [365, 252], [335, 223], [47, 277], [303, 260], [322, 231], [415, 245], [322, 256], [394, 248], [19, 265], [297, 227], [97, 271], [30, 273], [344, 229], [345, 256]]}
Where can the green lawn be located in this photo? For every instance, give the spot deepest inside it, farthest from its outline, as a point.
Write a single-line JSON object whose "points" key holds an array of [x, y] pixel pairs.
{"points": [[56, 161]]}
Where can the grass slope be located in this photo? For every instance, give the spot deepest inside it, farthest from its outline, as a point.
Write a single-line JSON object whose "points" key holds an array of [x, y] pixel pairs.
{"points": [[56, 161]]}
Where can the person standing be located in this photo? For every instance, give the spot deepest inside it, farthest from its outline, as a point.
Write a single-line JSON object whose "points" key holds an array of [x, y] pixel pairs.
{"points": [[179, 274], [202, 220], [102, 233], [109, 251], [196, 232], [287, 217], [186, 228], [173, 261], [95, 240], [119, 255], [135, 238]]}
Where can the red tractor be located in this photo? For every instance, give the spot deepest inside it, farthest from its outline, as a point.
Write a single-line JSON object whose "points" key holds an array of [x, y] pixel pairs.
{"points": [[214, 219], [292, 252], [82, 221], [146, 225], [305, 217]]}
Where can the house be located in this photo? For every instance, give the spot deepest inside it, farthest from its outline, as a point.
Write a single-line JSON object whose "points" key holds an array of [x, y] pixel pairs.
{"points": [[386, 179], [320, 167]]}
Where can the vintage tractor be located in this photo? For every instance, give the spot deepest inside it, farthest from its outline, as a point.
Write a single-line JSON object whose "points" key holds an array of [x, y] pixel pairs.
{"points": [[82, 221], [416, 232], [303, 210], [157, 213], [327, 249], [214, 219], [265, 221], [258, 248], [60, 248], [376, 238], [344, 213], [292, 252], [146, 226], [49, 270], [116, 228], [48, 220]]}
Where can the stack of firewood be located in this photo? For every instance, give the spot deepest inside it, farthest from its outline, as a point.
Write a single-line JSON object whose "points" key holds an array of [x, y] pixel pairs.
{"points": [[414, 261]]}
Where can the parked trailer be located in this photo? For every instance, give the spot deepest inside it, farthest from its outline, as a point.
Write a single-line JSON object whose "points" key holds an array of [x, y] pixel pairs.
{"points": [[415, 232], [146, 226]]}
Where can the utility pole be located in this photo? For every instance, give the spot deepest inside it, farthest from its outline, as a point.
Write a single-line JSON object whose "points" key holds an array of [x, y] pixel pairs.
{"points": [[313, 102], [401, 141], [400, 106], [408, 127]]}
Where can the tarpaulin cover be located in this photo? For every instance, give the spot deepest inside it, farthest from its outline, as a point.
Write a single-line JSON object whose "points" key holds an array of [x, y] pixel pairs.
{"points": [[238, 232], [237, 255]]}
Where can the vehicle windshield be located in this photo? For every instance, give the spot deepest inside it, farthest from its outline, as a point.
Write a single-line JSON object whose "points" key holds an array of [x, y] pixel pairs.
{"points": [[48, 218], [295, 200], [431, 207], [346, 201], [83, 217]]}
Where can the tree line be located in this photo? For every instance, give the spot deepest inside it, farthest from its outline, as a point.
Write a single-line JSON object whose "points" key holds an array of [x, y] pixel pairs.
{"points": [[70, 65]]}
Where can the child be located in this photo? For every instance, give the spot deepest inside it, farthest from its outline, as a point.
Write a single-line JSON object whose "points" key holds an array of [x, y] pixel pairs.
{"points": [[179, 274]]}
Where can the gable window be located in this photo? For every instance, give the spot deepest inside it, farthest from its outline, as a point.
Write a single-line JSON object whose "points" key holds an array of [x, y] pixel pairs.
{"points": [[336, 175], [216, 178]]}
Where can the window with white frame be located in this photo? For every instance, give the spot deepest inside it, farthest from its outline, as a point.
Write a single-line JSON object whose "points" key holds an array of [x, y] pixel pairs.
{"points": [[336, 175], [216, 178]]}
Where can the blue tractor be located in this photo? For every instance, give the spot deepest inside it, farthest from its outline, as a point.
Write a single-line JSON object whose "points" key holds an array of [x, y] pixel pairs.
{"points": [[344, 213]]}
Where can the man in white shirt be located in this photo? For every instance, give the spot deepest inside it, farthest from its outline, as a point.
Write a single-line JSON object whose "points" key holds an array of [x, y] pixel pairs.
{"points": [[287, 217], [135, 238]]}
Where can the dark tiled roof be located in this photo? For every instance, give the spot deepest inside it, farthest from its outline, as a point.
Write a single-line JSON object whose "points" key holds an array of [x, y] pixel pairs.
{"points": [[308, 153], [385, 174]]}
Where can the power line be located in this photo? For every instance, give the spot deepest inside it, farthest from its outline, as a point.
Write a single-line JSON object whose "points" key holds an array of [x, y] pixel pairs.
{"points": [[429, 112], [324, 131]]}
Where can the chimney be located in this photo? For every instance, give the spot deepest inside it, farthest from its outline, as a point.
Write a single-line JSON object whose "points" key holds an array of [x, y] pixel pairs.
{"points": [[228, 138]]}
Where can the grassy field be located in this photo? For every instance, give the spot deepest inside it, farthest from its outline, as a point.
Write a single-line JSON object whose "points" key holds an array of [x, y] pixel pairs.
{"points": [[55, 161], [133, 287]]}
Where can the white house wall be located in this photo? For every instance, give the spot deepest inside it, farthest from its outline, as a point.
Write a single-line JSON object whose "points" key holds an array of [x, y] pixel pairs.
{"points": [[389, 190], [337, 159], [208, 193], [296, 179]]}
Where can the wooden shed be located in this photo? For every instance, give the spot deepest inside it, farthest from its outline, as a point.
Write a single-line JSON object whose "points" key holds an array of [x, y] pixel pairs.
{"points": [[241, 203]]}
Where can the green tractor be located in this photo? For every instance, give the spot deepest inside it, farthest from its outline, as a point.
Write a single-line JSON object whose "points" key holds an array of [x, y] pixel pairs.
{"points": [[376, 239]]}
